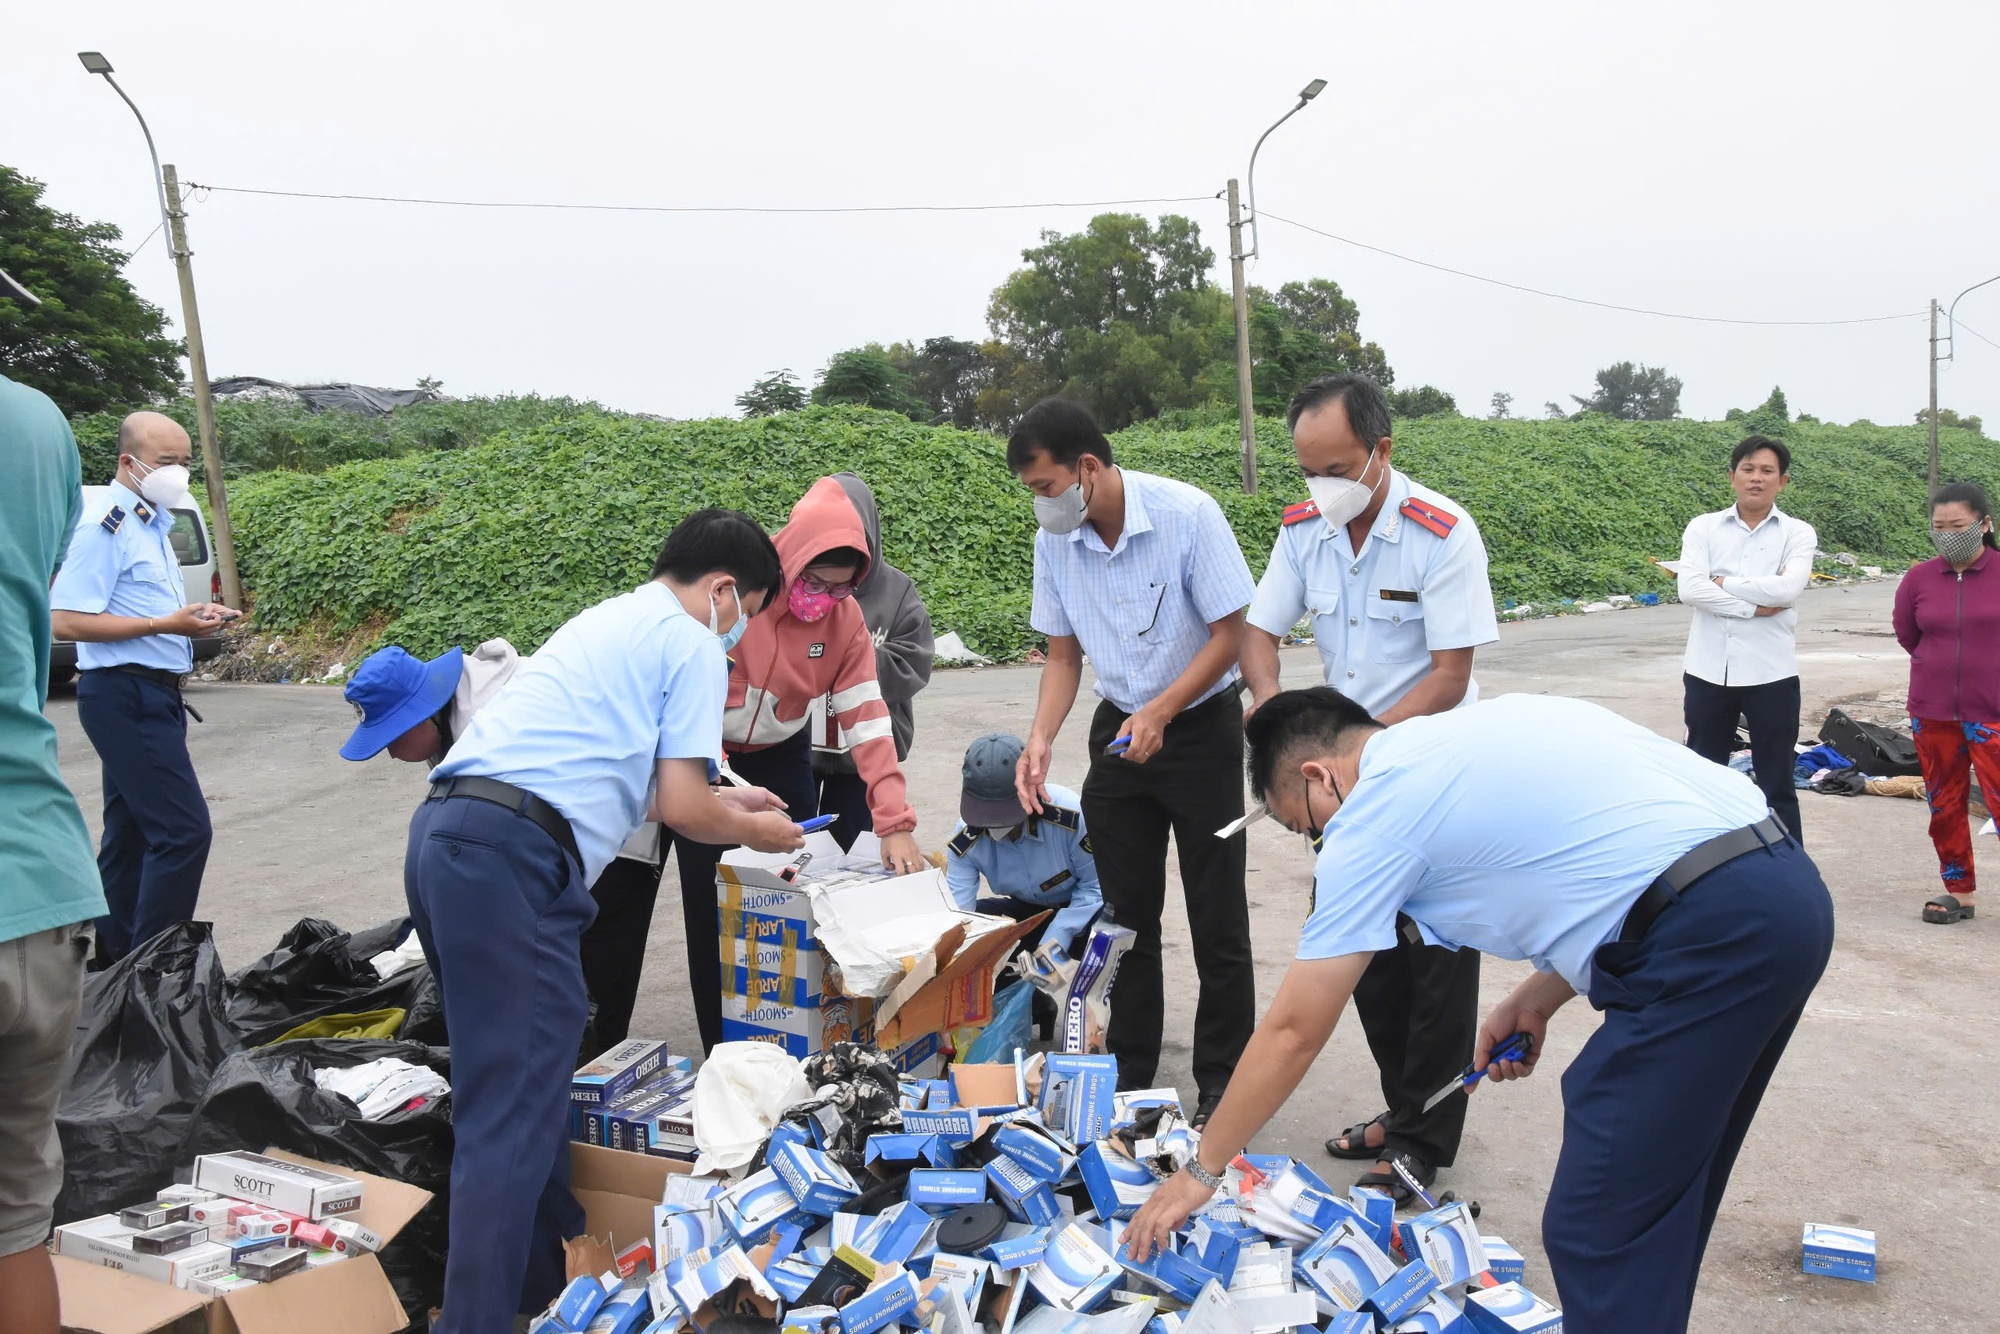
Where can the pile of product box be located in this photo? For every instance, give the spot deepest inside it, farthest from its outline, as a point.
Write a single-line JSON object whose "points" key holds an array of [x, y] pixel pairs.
{"points": [[637, 1097], [245, 1219], [1000, 1206]]}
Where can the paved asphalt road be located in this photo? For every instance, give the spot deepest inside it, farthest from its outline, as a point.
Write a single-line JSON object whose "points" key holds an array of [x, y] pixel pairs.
{"points": [[1882, 1115]]}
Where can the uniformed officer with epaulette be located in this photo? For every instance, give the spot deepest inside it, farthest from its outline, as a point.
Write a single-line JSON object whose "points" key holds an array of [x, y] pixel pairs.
{"points": [[120, 599], [1030, 862], [1393, 575]]}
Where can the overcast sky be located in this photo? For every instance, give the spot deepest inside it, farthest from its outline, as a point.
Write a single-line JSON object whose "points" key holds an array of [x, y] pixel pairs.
{"points": [[1755, 160]]}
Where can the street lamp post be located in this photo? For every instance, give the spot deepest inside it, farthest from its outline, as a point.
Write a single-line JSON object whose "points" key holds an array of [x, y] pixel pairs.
{"points": [[173, 220], [1950, 354], [1246, 419]]}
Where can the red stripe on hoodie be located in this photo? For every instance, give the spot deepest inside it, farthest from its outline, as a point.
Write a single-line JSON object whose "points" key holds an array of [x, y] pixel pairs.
{"points": [[784, 665]]}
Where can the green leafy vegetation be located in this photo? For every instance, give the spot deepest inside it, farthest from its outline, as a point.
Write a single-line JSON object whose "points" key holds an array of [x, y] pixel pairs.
{"points": [[444, 546]]}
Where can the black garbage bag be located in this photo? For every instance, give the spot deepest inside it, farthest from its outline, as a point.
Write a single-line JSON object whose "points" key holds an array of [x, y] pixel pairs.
{"points": [[266, 1098], [151, 1032], [318, 969]]}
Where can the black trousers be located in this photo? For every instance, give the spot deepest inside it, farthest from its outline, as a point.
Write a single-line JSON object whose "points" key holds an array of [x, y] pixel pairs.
{"points": [[1419, 1006], [1772, 712], [1190, 789], [845, 795], [614, 947], [785, 769]]}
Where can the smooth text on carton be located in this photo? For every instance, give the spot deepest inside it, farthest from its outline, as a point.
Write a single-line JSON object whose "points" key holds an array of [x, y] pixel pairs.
{"points": [[842, 953], [353, 1297]]}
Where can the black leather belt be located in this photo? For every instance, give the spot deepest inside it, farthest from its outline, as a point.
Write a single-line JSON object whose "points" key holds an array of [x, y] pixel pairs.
{"points": [[159, 676], [514, 799], [1697, 862]]}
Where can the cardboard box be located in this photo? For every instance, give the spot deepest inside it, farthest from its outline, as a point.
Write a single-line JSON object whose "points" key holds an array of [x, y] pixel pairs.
{"points": [[885, 1304], [783, 984], [1076, 1270], [945, 1188], [350, 1298], [1078, 1096], [287, 1185], [1506, 1264], [1839, 1252], [1117, 1185], [1435, 1315], [817, 1184], [1407, 1289], [618, 1191], [105, 1242], [1510, 1309], [1026, 1197], [1446, 1240]]}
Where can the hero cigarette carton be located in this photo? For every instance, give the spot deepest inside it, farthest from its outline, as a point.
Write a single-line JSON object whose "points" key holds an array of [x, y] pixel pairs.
{"points": [[1027, 1197], [1403, 1293], [818, 1184], [1510, 1309], [275, 1183], [945, 1188], [883, 1305], [1087, 1008], [628, 1122], [1434, 1315], [1502, 1261], [613, 1075], [1117, 1185], [107, 1242], [1839, 1252], [1076, 1270], [1447, 1240]]}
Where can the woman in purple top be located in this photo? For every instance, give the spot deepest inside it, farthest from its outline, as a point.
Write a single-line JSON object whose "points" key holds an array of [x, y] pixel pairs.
{"points": [[1948, 617]]}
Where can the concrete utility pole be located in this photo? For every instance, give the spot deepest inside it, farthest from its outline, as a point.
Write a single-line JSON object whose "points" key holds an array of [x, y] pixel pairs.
{"points": [[1246, 413], [204, 404], [1934, 407]]}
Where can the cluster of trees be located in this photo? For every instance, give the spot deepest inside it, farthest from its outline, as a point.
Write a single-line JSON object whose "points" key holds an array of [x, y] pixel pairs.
{"points": [[1123, 316]]}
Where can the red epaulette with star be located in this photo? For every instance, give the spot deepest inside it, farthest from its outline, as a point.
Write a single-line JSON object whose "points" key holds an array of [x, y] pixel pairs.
{"points": [[1300, 512], [1430, 516]]}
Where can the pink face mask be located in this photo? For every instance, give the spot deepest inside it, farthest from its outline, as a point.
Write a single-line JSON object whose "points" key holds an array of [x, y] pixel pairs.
{"points": [[809, 606]]}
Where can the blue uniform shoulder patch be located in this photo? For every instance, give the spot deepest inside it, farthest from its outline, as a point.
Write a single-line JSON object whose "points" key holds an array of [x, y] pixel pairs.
{"points": [[964, 841], [113, 519], [1057, 815]]}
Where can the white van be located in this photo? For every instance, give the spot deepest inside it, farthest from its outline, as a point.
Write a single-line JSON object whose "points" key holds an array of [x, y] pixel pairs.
{"points": [[199, 576]]}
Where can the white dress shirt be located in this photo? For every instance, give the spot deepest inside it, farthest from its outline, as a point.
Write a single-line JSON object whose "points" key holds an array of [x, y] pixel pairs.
{"points": [[1765, 566]]}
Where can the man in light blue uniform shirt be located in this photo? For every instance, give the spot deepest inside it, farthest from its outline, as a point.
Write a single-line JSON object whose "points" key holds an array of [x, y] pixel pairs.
{"points": [[1143, 575], [1030, 861], [613, 721], [1394, 576], [1658, 884], [120, 599]]}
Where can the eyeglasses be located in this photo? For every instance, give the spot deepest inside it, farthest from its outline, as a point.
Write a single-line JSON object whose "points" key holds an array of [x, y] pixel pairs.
{"points": [[812, 584]]}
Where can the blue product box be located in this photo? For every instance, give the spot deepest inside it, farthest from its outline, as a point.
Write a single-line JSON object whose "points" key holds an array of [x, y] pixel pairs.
{"points": [[789, 1132], [1378, 1209], [1018, 1247], [953, 1125], [578, 1302], [935, 1094], [755, 1205], [1079, 1094], [1169, 1270], [622, 1313], [1217, 1242], [1840, 1252], [791, 1277], [908, 1148], [613, 1075], [1344, 1268], [1403, 1293], [880, 1307], [1034, 1151], [1076, 1270], [809, 1320], [1349, 1322], [819, 1185], [895, 1234], [1506, 1264], [1026, 1197], [1510, 1309], [1447, 1241], [627, 1121], [1118, 1185], [944, 1188], [1434, 1315]]}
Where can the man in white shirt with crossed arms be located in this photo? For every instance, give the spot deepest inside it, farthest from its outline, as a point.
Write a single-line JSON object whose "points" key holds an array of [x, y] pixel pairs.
{"points": [[1742, 570]]}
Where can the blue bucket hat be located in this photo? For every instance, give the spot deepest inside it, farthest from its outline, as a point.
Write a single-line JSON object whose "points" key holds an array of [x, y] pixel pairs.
{"points": [[394, 692]]}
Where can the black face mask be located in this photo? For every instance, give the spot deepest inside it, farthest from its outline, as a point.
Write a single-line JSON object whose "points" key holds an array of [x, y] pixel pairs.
{"points": [[1315, 830]]}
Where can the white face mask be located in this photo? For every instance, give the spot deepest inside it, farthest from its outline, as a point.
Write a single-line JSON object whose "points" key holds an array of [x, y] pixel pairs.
{"points": [[1063, 512], [1341, 499], [165, 486]]}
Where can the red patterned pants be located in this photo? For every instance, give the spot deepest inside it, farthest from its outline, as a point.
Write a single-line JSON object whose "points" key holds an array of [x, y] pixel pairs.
{"points": [[1949, 751]]}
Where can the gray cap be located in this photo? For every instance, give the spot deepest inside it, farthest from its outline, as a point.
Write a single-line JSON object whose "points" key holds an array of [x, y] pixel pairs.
{"points": [[989, 800]]}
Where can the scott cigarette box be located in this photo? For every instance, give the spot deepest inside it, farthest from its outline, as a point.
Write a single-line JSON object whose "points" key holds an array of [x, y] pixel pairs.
{"points": [[289, 1187], [1840, 1252]]}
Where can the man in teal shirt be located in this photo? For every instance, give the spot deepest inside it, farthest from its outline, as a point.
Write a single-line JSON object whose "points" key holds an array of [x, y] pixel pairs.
{"points": [[49, 888]]}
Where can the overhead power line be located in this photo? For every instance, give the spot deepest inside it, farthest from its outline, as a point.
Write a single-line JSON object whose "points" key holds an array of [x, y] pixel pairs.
{"points": [[1577, 300], [1976, 334], [705, 208]]}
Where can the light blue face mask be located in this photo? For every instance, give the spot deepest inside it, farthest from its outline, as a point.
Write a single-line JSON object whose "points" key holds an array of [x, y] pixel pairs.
{"points": [[734, 635]]}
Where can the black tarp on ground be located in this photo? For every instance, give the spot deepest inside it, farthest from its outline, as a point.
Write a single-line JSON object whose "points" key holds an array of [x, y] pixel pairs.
{"points": [[318, 969]]}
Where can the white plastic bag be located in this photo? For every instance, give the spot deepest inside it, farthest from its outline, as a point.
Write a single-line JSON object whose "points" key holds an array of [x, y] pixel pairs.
{"points": [[742, 1091]]}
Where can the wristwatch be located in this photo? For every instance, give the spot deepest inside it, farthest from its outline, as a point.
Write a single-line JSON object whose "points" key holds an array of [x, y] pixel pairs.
{"points": [[1201, 1174]]}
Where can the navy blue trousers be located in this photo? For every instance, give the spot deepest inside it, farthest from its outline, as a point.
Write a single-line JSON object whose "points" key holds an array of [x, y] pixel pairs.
{"points": [[1655, 1107], [500, 909], [156, 829]]}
